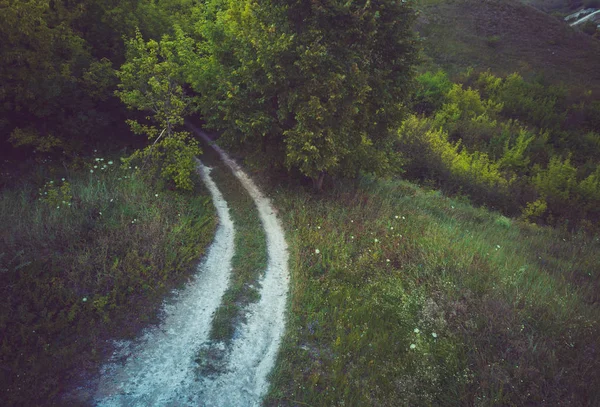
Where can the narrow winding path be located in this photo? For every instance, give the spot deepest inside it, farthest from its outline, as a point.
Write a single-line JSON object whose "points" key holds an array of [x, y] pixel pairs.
{"points": [[254, 349], [160, 368]]}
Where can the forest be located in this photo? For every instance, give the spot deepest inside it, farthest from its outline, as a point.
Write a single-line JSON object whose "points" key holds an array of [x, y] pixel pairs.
{"points": [[353, 116]]}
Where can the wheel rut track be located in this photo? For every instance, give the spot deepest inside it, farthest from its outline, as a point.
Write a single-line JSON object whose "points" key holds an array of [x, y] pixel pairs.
{"points": [[160, 369]]}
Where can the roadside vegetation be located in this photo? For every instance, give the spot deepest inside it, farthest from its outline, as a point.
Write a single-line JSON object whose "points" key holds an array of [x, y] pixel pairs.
{"points": [[402, 296], [87, 254]]}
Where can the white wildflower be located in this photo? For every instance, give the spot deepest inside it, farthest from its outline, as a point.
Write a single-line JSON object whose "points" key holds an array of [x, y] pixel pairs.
{"points": [[413, 346], [317, 251]]}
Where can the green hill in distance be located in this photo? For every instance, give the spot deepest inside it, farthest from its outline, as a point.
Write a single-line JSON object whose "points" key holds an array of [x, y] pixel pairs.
{"points": [[508, 36]]}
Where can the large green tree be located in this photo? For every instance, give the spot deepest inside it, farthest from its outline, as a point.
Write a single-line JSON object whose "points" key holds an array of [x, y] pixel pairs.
{"points": [[317, 86], [151, 81]]}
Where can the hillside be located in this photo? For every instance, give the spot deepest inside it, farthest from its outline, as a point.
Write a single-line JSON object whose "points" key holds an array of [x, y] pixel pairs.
{"points": [[404, 297], [507, 36]]}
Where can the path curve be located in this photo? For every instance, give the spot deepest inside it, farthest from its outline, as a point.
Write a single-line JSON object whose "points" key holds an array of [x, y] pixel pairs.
{"points": [[160, 368], [255, 346]]}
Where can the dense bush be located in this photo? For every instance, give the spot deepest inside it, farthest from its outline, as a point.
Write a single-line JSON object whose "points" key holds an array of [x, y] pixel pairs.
{"points": [[432, 156], [430, 92], [505, 143]]}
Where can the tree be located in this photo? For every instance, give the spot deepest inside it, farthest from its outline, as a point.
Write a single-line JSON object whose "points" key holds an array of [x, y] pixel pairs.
{"points": [[151, 81], [317, 86]]}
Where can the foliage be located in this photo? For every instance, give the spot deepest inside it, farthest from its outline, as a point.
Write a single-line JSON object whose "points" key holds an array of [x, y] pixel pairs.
{"points": [[294, 83], [530, 102], [430, 92], [489, 141], [51, 89], [430, 155], [151, 81]]}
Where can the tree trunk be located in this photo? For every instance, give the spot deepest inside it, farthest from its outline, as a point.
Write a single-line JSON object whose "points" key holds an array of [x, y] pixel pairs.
{"points": [[318, 181]]}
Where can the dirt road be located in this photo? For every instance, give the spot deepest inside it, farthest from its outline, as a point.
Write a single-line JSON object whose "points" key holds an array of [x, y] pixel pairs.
{"points": [[162, 368]]}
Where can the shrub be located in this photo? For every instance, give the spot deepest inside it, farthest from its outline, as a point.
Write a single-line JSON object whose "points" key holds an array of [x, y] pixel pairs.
{"points": [[431, 90], [431, 155], [531, 103]]}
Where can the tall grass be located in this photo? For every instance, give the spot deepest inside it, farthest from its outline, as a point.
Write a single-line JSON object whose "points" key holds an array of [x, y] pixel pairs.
{"points": [[83, 258], [404, 297]]}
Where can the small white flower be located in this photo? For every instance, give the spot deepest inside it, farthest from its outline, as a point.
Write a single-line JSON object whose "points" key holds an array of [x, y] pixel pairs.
{"points": [[91, 171], [156, 195], [417, 330], [318, 227], [387, 260], [317, 251], [376, 240], [95, 166], [434, 334], [110, 163], [498, 246], [403, 218], [111, 199], [63, 180], [413, 346], [392, 228], [351, 237], [396, 216], [84, 299], [100, 213]]}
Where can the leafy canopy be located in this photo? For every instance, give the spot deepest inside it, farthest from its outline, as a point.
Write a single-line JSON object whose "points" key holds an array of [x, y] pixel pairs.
{"points": [[313, 86], [151, 81]]}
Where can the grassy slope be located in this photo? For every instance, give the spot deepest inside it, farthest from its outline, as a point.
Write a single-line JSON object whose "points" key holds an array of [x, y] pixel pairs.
{"points": [[96, 266], [507, 36], [402, 296]]}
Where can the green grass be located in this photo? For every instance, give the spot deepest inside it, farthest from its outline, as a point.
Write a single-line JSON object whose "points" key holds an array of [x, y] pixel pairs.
{"points": [[83, 260], [403, 297], [506, 36], [250, 259]]}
